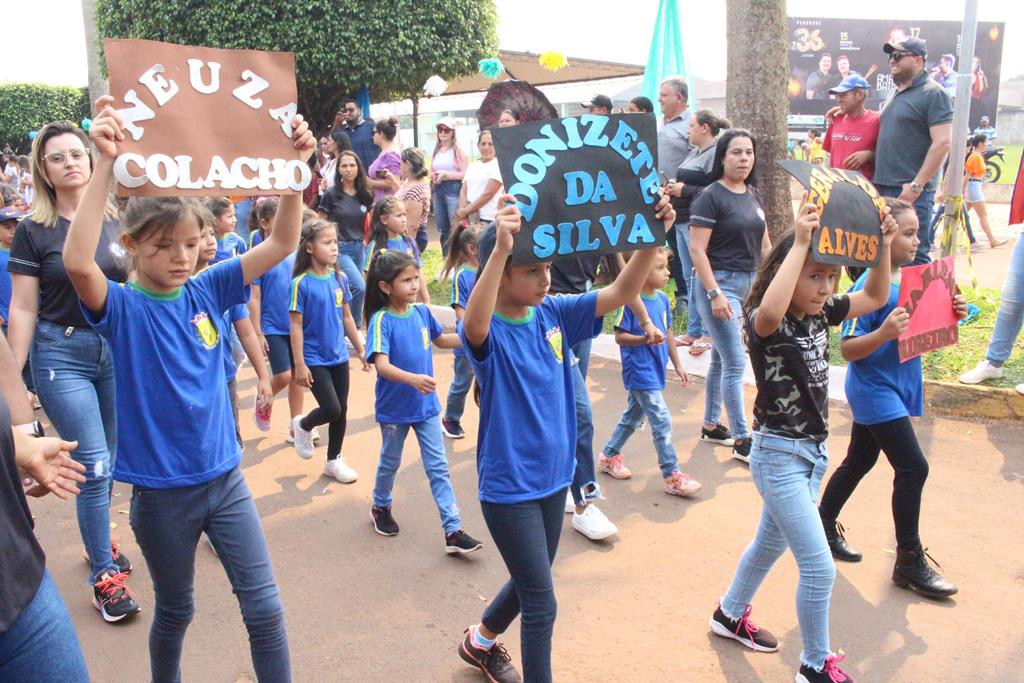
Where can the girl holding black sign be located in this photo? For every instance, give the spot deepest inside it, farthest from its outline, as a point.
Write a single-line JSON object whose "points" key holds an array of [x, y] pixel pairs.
{"points": [[175, 439], [786, 319]]}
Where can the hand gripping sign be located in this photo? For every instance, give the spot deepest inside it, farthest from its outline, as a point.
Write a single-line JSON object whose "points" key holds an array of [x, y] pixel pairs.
{"points": [[204, 121], [926, 292], [850, 212], [584, 185]]}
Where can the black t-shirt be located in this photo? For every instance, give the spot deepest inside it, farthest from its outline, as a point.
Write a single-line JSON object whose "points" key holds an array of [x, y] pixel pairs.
{"points": [[737, 226], [346, 211], [36, 251], [21, 558], [791, 371], [574, 275]]}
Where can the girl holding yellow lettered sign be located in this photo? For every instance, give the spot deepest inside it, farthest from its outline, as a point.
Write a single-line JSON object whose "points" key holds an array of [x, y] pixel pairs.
{"points": [[178, 448]]}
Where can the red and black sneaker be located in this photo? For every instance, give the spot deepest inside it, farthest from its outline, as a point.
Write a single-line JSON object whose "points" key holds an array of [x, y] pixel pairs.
{"points": [[119, 559], [494, 662], [112, 597]]}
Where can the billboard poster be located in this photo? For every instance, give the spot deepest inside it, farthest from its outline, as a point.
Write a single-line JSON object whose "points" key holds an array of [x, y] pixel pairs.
{"points": [[823, 50]]}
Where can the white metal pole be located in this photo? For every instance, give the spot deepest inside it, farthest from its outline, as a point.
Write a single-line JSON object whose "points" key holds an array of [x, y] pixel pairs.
{"points": [[961, 114]]}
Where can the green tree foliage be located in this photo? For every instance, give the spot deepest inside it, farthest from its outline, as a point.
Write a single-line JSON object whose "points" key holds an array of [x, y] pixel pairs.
{"points": [[339, 45], [28, 106]]}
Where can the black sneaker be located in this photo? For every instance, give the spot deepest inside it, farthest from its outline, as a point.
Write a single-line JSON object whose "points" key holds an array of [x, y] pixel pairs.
{"points": [[452, 429], [119, 559], [743, 630], [830, 673], [741, 449], [495, 663], [112, 597], [461, 543], [383, 523], [720, 434]]}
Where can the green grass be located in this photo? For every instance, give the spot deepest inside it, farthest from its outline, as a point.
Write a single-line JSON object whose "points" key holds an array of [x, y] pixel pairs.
{"points": [[1012, 155]]}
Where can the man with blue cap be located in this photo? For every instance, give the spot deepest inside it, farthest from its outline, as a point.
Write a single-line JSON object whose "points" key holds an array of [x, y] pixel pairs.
{"points": [[852, 129]]}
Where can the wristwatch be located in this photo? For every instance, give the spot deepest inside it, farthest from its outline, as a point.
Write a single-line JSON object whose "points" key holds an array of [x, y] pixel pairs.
{"points": [[34, 428], [714, 293], [915, 186]]}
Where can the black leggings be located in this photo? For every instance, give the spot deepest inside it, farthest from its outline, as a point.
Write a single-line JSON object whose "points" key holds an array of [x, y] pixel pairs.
{"points": [[330, 389], [897, 439]]}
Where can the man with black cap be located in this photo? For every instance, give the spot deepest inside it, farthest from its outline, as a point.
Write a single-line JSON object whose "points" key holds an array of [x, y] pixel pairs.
{"points": [[600, 104], [914, 136], [852, 130]]}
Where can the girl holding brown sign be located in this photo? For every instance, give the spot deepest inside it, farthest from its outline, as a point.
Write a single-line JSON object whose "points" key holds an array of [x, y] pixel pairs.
{"points": [[175, 436]]}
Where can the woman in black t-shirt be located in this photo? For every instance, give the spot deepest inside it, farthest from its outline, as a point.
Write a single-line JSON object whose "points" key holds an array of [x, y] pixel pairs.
{"points": [[347, 204], [727, 237], [71, 364]]}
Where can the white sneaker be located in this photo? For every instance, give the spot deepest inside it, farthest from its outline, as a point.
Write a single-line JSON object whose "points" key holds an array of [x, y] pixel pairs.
{"points": [[316, 434], [303, 439], [570, 504], [339, 470], [593, 524], [983, 371], [291, 436]]}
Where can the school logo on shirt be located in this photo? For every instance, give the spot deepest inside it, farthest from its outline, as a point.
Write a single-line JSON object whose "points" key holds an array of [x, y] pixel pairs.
{"points": [[339, 297], [205, 330], [554, 337], [426, 337]]}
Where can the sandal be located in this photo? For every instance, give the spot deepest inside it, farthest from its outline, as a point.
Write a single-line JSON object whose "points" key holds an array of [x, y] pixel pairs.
{"points": [[699, 348], [685, 340]]}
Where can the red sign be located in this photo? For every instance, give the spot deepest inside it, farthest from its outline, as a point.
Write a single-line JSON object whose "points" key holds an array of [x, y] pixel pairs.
{"points": [[926, 292]]}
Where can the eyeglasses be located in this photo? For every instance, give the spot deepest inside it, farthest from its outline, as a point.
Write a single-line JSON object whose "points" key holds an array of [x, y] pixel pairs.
{"points": [[897, 56], [442, 129], [58, 158]]}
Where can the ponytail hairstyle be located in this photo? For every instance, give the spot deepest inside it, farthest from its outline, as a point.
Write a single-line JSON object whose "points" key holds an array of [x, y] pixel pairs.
{"points": [[975, 140], [379, 233], [462, 237], [217, 206], [385, 266], [715, 123], [417, 162], [768, 269], [387, 127], [263, 210], [148, 217], [310, 230]]}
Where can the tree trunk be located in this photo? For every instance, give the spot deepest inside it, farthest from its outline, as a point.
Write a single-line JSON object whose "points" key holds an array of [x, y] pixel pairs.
{"points": [[415, 120], [756, 95], [98, 86]]}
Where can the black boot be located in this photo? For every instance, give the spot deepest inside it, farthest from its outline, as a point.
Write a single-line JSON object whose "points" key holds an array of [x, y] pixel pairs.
{"points": [[913, 571], [841, 550]]}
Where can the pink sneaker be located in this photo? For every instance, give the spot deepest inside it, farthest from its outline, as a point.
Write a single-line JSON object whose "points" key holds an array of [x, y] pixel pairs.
{"points": [[682, 484], [614, 467], [261, 414]]}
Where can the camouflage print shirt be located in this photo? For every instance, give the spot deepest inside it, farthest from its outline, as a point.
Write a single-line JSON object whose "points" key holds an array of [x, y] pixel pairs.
{"points": [[791, 372]]}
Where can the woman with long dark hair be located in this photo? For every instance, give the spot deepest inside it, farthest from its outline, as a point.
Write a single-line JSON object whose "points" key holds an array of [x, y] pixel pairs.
{"points": [[346, 204], [728, 235]]}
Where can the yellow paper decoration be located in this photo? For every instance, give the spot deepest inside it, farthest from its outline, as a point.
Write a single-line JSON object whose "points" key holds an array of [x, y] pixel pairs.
{"points": [[553, 61]]}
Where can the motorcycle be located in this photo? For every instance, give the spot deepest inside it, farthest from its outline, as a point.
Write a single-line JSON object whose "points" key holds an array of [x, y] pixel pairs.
{"points": [[992, 169]]}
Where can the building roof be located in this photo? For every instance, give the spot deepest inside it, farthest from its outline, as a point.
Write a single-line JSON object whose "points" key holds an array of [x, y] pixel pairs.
{"points": [[525, 67]]}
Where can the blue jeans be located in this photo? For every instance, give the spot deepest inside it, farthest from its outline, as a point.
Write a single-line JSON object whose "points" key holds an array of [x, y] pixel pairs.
{"points": [[242, 210], [728, 356], [74, 376], [1011, 309], [41, 645], [923, 209], [446, 203], [651, 404], [461, 381], [694, 325], [435, 463], [526, 534], [351, 258], [787, 474], [167, 524], [584, 478]]}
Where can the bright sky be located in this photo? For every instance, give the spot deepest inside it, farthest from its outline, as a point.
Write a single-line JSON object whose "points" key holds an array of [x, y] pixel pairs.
{"points": [[621, 36]]}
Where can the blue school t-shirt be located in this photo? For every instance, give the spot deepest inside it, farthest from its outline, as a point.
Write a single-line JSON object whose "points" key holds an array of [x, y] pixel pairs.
{"points": [[231, 316], [879, 387], [405, 340], [254, 238], [229, 246], [321, 300], [175, 426], [526, 445], [403, 243], [643, 367], [462, 286], [275, 288], [5, 285]]}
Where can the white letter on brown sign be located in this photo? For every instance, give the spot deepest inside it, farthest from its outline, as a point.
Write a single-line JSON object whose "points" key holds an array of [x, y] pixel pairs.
{"points": [[246, 91]]}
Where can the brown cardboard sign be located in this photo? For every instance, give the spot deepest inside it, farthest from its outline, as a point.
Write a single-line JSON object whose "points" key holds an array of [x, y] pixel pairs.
{"points": [[202, 121]]}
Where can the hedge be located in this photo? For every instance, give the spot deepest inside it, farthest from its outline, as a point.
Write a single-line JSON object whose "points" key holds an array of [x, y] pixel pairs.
{"points": [[29, 106]]}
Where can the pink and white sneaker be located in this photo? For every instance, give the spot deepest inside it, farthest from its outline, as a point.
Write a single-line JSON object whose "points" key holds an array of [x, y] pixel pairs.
{"points": [[682, 484], [614, 467], [261, 413]]}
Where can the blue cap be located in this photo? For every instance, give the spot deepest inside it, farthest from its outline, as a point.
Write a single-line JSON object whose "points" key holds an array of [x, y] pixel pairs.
{"points": [[851, 82], [910, 45], [12, 214]]}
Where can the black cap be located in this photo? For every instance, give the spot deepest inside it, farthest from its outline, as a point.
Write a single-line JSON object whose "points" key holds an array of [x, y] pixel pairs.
{"points": [[910, 45], [599, 101]]}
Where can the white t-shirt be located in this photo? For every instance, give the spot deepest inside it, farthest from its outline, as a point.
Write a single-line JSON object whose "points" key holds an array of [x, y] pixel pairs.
{"points": [[477, 176]]}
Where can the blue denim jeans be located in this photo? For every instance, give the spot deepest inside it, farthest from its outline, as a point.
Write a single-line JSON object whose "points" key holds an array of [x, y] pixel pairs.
{"points": [[41, 645], [694, 325], [167, 524], [435, 463], [462, 379], [584, 479], [728, 355], [351, 258], [787, 474], [446, 203], [923, 209], [652, 405], [526, 534], [242, 210], [1011, 308], [74, 376]]}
